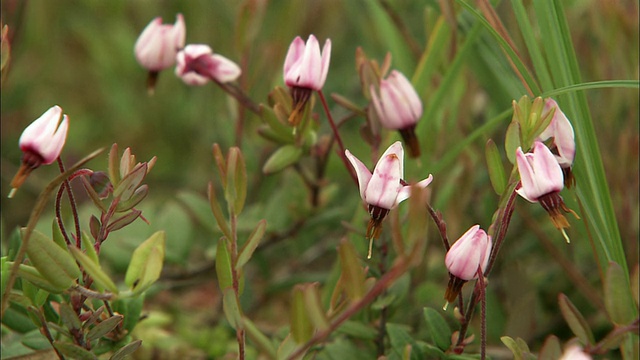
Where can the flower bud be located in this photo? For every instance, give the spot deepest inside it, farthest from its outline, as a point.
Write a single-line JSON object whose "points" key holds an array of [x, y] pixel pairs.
{"points": [[158, 44], [41, 143], [470, 253]]}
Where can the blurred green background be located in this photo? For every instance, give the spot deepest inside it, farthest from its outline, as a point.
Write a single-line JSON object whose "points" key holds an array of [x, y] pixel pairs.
{"points": [[79, 55]]}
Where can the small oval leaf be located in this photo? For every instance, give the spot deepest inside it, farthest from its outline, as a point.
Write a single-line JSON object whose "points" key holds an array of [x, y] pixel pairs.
{"points": [[283, 157]]}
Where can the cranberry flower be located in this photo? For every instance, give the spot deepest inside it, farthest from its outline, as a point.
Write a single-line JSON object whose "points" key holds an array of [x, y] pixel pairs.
{"points": [[575, 352], [157, 46], [197, 65], [561, 131], [41, 143], [470, 253], [399, 108], [542, 181], [563, 144], [383, 189], [305, 71]]}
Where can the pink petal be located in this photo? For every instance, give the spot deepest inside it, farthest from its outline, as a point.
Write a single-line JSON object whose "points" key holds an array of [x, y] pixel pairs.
{"points": [[296, 49], [405, 191], [362, 172], [384, 185]]}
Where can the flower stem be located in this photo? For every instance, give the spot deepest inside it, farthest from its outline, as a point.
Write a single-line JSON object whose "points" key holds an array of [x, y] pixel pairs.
{"points": [[336, 135], [72, 202], [38, 208], [239, 95]]}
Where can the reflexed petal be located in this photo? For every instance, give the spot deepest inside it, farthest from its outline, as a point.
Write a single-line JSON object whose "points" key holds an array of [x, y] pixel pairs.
{"points": [[405, 191], [527, 177], [51, 149], [179, 32], [384, 185], [223, 69], [362, 172]]}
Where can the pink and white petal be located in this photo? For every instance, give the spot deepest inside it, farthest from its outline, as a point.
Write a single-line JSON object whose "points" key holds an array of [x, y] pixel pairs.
{"points": [[547, 170], [362, 172], [223, 69], [326, 59], [405, 191], [179, 32], [384, 185], [53, 146], [484, 261], [311, 64], [397, 149], [527, 176], [294, 54]]}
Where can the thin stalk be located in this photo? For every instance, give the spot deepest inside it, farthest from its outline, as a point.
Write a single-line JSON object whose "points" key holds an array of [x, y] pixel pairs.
{"points": [[382, 332], [336, 135], [233, 220], [47, 333], [483, 316], [399, 268], [72, 202], [239, 95], [38, 208]]}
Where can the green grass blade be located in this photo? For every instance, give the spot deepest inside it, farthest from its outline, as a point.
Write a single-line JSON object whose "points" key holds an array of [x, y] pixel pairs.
{"points": [[591, 189]]}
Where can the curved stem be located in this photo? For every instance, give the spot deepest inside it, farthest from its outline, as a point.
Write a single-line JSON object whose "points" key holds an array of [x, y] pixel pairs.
{"points": [[33, 220], [239, 95], [72, 202], [336, 135]]}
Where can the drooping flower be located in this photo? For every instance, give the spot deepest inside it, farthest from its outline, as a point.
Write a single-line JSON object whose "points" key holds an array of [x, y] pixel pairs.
{"points": [[41, 143], [398, 107], [470, 252], [305, 71], [157, 46], [542, 180], [563, 144], [197, 65], [383, 189]]}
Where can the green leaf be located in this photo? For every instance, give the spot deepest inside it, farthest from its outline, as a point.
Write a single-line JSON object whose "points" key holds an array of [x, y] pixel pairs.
{"points": [[575, 320], [513, 346], [146, 263], [352, 273], [69, 317], [496, 169], [286, 348], [280, 131], [285, 156], [512, 141], [93, 269], [438, 328], [223, 264], [258, 338], [618, 299], [236, 190], [130, 182], [317, 315], [56, 265], [58, 238], [104, 327], [88, 246], [114, 165], [358, 330], [231, 308], [301, 328], [32, 275], [35, 340], [252, 243], [126, 350], [74, 351], [551, 349], [217, 212]]}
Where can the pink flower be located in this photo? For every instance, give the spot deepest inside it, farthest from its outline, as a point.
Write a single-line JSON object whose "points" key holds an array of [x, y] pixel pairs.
{"points": [[385, 188], [561, 131], [305, 71], [398, 105], [471, 251], [197, 65], [305, 66], [46, 136], [158, 44], [540, 173], [41, 143], [542, 180]]}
